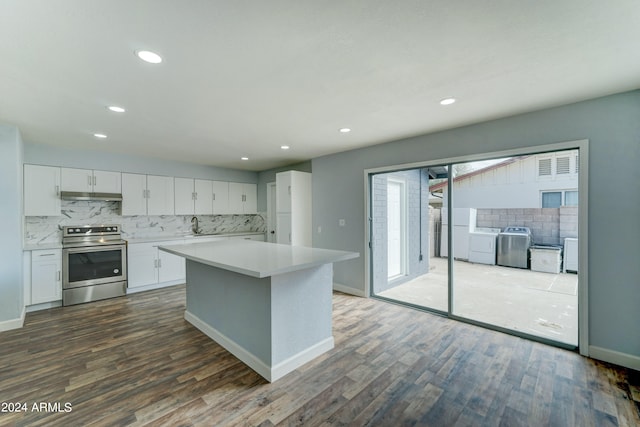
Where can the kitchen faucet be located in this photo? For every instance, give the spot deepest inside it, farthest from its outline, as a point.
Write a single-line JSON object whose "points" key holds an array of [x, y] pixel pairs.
{"points": [[194, 225]]}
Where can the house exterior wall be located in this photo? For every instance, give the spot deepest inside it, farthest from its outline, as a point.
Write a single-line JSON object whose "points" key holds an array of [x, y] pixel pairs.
{"points": [[515, 185], [417, 227]]}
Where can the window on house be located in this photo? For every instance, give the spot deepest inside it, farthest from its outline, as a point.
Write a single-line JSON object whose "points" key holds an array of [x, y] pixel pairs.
{"points": [[555, 199], [552, 199], [571, 198]]}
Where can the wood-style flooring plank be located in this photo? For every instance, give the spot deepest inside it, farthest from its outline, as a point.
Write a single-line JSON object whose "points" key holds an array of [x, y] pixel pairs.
{"points": [[135, 361]]}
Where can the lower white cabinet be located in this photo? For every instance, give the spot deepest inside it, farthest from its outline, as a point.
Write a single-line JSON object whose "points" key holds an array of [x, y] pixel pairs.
{"points": [[147, 265], [46, 276]]}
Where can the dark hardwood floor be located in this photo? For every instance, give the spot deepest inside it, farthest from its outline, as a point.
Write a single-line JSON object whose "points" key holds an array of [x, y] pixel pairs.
{"points": [[136, 361]]}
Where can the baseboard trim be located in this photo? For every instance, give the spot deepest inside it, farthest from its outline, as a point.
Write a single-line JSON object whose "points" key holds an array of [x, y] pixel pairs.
{"points": [[135, 290], [44, 306], [622, 359], [270, 373], [297, 360], [10, 324], [348, 290]]}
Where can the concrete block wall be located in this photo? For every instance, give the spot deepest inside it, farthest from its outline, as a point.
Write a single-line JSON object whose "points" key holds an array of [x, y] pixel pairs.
{"points": [[549, 226], [543, 222], [568, 222]]}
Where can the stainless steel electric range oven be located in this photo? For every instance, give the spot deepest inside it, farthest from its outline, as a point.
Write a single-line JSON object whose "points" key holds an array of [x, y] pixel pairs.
{"points": [[94, 263]]}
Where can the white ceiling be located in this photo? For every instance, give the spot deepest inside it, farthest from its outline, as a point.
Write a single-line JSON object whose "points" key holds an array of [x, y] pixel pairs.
{"points": [[242, 78]]}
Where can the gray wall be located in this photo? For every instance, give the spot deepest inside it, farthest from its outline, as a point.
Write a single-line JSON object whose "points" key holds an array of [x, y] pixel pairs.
{"points": [[269, 175], [11, 295], [43, 154], [612, 125]]}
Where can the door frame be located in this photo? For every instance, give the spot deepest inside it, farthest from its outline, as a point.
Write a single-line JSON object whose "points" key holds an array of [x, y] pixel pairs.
{"points": [[402, 184], [583, 225]]}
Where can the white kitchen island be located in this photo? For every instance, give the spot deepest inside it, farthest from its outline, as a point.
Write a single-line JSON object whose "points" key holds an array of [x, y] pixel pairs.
{"points": [[268, 304]]}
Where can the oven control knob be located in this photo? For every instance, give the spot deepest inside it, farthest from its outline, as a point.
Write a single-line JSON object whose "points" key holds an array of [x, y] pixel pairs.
{"points": [[108, 228], [77, 230]]}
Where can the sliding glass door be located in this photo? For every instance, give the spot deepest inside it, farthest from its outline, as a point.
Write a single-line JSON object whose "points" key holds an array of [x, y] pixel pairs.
{"points": [[494, 244], [406, 231]]}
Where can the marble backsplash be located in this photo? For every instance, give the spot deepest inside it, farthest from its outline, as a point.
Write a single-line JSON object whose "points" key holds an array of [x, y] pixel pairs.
{"points": [[47, 229]]}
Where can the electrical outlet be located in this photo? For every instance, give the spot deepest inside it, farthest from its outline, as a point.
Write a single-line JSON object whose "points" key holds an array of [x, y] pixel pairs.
{"points": [[342, 222]]}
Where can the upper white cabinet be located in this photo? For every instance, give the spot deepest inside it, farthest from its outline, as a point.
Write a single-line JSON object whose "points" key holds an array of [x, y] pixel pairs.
{"points": [[243, 198], [203, 197], [147, 194], [220, 197], [41, 190], [160, 195], [184, 196], [90, 181], [293, 206]]}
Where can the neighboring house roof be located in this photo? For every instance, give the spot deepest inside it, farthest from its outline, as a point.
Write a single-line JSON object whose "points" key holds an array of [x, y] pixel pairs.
{"points": [[471, 174]]}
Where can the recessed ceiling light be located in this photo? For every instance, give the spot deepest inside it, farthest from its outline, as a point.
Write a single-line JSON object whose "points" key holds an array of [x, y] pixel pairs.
{"points": [[116, 109], [244, 158], [447, 101], [148, 56], [100, 135], [284, 147], [345, 130]]}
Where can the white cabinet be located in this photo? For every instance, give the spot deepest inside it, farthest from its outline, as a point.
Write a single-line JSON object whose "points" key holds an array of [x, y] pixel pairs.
{"points": [[46, 276], [160, 195], [107, 182], [134, 196], [220, 201], [203, 197], [170, 267], [293, 208], [184, 196], [198, 196], [147, 265], [147, 194], [243, 198], [41, 190], [90, 181]]}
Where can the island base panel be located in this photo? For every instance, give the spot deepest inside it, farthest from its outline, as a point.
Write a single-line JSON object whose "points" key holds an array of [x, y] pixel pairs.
{"points": [[273, 324]]}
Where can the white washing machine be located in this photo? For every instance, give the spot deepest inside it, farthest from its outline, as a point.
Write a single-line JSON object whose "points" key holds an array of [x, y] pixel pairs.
{"points": [[482, 246]]}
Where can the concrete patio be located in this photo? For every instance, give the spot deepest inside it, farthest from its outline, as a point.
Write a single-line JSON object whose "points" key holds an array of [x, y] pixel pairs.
{"points": [[542, 304]]}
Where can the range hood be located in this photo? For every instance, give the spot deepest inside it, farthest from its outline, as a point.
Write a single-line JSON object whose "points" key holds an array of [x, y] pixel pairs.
{"points": [[77, 195]]}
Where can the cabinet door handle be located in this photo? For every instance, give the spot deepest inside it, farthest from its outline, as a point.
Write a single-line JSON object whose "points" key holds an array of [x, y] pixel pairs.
{"points": [[159, 263], [89, 180], [144, 194], [46, 255], [94, 180], [148, 194], [57, 190], [59, 276], [214, 196]]}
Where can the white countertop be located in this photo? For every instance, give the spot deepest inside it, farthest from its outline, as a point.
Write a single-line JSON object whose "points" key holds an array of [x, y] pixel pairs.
{"points": [[160, 238], [257, 259], [41, 246], [189, 237]]}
